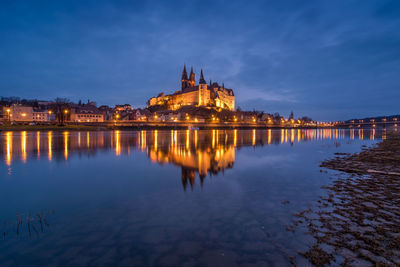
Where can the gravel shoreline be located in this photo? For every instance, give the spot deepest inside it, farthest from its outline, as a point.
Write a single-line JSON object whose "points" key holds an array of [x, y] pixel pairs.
{"points": [[358, 222]]}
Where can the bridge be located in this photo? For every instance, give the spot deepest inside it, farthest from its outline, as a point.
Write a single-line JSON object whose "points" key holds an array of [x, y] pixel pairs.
{"points": [[393, 122]]}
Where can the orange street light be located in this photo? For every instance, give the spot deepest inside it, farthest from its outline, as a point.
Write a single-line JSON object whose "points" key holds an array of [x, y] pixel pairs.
{"points": [[66, 111]]}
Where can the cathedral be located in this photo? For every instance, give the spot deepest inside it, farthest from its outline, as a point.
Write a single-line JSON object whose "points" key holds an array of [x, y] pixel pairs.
{"points": [[201, 95]]}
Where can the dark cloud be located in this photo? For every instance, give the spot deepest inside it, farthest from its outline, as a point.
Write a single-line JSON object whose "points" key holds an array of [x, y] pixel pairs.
{"points": [[327, 59]]}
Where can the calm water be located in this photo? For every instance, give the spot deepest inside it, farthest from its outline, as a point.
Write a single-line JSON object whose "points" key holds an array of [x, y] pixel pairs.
{"points": [[211, 198]]}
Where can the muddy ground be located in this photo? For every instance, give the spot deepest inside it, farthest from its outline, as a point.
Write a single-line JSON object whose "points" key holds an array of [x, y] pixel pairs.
{"points": [[358, 222]]}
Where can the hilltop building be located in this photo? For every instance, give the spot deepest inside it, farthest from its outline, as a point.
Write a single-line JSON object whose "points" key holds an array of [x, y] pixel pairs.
{"points": [[203, 94]]}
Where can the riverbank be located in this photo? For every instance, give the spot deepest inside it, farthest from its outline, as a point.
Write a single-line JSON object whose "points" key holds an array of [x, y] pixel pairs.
{"points": [[357, 223], [52, 128], [142, 126]]}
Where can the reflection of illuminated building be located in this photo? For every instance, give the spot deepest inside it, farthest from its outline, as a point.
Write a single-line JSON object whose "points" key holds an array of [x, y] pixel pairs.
{"points": [[197, 153], [193, 152]]}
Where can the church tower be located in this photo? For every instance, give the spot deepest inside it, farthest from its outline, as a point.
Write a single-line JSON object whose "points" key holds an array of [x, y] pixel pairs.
{"points": [[192, 80], [204, 93], [184, 80]]}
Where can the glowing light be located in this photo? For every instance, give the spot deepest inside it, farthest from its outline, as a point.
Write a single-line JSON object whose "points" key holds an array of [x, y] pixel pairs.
{"points": [[66, 111], [38, 143], [195, 138], [235, 138], [269, 136], [87, 139], [23, 114], [292, 136], [65, 134], [9, 148], [187, 140], [213, 139], [50, 144], [143, 137], [175, 137], [117, 135], [156, 139], [286, 136], [298, 135], [23, 146]]}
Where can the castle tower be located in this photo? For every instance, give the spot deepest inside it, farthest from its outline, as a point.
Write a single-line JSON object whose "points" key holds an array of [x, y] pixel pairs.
{"points": [[184, 80], [202, 81], [192, 80], [204, 93]]}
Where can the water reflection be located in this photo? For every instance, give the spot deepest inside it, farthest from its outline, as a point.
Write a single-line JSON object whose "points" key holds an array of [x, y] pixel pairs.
{"points": [[195, 151]]}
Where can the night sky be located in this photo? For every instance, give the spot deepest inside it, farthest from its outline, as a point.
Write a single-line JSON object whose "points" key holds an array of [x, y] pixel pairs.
{"points": [[331, 60]]}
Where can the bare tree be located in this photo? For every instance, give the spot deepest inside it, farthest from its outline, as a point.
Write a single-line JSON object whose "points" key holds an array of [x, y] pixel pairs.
{"points": [[61, 109]]}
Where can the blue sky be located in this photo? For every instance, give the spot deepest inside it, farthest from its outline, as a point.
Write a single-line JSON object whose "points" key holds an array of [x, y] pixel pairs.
{"points": [[331, 60]]}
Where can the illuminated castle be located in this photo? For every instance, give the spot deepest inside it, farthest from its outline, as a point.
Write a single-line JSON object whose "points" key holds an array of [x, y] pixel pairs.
{"points": [[203, 94]]}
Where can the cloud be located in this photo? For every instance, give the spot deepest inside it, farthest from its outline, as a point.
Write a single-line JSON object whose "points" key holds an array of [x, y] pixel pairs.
{"points": [[326, 59]]}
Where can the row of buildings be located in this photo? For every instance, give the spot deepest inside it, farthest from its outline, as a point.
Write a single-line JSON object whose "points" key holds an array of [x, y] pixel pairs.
{"points": [[47, 112], [200, 102]]}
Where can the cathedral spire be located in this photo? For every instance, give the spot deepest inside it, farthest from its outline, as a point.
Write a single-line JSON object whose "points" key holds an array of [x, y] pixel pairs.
{"points": [[184, 73], [202, 81], [192, 79]]}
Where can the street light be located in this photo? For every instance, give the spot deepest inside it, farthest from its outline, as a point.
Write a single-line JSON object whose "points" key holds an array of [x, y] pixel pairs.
{"points": [[66, 111]]}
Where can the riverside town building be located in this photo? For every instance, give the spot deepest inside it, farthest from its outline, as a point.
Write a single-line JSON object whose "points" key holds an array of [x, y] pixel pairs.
{"points": [[203, 94]]}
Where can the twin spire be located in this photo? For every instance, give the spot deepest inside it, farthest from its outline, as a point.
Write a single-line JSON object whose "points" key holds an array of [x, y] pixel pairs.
{"points": [[190, 81]]}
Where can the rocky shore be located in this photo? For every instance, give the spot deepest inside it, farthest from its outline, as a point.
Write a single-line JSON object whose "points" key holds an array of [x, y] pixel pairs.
{"points": [[358, 221]]}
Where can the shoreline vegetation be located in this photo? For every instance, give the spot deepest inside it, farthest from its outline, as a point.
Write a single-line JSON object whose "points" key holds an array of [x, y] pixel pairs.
{"points": [[357, 221]]}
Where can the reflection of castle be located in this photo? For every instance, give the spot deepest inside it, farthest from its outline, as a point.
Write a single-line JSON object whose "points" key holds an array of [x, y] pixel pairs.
{"points": [[200, 151], [212, 95]]}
